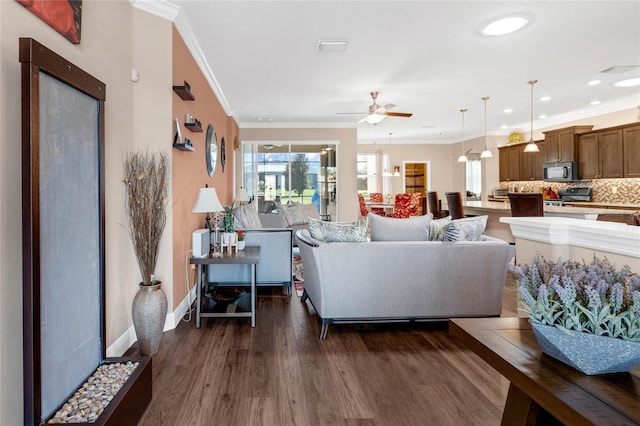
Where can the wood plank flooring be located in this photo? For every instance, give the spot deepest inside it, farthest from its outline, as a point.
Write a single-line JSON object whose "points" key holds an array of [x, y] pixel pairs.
{"points": [[280, 373]]}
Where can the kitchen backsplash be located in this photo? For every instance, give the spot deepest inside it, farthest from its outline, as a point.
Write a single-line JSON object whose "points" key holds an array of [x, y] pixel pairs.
{"points": [[627, 190]]}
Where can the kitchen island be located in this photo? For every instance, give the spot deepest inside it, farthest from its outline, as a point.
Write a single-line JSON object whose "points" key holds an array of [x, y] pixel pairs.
{"points": [[497, 209]]}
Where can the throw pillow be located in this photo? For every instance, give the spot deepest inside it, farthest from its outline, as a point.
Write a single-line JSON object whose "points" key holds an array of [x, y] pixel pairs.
{"points": [[293, 215], [310, 211], [436, 228], [468, 228], [415, 228], [333, 232], [247, 218]]}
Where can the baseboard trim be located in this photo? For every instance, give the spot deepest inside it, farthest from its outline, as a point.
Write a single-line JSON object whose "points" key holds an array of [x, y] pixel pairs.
{"points": [[128, 338]]}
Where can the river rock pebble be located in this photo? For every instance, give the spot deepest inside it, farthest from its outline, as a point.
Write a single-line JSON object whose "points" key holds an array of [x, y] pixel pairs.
{"points": [[90, 400]]}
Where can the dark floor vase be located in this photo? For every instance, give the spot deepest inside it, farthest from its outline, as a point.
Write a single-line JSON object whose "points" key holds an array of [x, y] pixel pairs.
{"points": [[149, 311]]}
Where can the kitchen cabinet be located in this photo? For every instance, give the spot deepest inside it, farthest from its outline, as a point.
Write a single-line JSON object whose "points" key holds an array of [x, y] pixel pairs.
{"points": [[531, 163], [631, 149], [561, 144], [509, 162], [600, 155]]}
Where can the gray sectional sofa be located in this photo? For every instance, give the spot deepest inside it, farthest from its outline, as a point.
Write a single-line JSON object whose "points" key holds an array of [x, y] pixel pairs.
{"points": [[403, 280]]}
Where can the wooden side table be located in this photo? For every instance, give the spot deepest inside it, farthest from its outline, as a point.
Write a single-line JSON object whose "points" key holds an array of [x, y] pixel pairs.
{"points": [[544, 390], [250, 256]]}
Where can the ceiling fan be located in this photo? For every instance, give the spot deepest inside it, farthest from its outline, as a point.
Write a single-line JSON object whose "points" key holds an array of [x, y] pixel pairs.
{"points": [[377, 113]]}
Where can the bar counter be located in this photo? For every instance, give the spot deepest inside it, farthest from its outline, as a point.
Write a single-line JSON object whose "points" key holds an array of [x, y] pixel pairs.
{"points": [[497, 209]]}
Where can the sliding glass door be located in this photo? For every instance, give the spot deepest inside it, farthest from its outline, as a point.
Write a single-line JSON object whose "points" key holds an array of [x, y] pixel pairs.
{"points": [[279, 173]]}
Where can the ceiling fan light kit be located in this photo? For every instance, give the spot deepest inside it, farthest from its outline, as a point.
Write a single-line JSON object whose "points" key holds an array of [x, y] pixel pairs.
{"points": [[377, 113]]}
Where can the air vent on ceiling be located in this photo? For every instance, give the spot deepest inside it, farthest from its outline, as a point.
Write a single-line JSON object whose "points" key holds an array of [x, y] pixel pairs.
{"points": [[619, 69]]}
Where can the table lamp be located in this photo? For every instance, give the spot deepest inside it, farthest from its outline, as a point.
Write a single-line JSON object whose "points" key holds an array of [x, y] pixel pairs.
{"points": [[208, 202], [242, 196]]}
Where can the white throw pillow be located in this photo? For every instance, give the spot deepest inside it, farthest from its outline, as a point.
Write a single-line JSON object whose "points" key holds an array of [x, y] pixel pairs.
{"points": [[415, 228], [436, 228]]}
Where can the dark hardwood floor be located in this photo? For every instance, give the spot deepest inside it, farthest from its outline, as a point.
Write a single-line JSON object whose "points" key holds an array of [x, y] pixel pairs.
{"points": [[280, 373]]}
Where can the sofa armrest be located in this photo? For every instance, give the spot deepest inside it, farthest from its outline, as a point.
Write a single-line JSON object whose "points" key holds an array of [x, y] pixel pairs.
{"points": [[275, 266], [273, 220]]}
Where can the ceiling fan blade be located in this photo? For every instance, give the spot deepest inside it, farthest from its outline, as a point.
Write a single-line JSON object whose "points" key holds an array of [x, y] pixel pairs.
{"points": [[398, 114]]}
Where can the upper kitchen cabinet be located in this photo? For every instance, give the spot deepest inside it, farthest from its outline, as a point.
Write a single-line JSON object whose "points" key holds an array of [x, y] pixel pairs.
{"points": [[531, 163], [509, 162], [561, 144], [600, 154], [631, 146]]}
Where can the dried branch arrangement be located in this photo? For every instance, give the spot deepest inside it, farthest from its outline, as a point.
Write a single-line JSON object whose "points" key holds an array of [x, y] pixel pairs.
{"points": [[146, 177]]}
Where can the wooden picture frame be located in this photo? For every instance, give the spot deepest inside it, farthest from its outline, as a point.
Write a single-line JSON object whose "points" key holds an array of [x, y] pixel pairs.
{"points": [[63, 239]]}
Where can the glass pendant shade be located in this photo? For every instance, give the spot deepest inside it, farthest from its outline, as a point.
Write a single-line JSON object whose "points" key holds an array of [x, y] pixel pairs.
{"points": [[486, 153], [531, 146], [462, 158]]}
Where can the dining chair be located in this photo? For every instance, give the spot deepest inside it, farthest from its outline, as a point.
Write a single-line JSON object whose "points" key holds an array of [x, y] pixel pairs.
{"points": [[401, 206], [525, 204], [376, 197], [414, 205], [363, 206], [454, 200], [434, 205]]}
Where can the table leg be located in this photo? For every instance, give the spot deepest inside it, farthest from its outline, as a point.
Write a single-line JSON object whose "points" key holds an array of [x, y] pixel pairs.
{"points": [[198, 294], [521, 410], [253, 295]]}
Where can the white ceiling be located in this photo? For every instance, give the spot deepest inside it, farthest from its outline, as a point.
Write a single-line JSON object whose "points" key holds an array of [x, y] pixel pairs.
{"points": [[426, 57]]}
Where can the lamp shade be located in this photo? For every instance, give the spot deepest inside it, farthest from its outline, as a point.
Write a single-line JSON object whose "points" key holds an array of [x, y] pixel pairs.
{"points": [[242, 196], [207, 201]]}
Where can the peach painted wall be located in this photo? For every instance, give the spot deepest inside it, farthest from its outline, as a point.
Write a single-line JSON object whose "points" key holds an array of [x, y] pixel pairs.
{"points": [[189, 172]]}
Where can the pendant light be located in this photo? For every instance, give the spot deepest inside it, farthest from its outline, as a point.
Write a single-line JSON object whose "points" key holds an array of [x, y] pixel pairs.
{"points": [[531, 146], [486, 153], [463, 157]]}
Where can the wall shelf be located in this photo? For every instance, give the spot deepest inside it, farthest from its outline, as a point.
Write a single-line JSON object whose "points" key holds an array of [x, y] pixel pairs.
{"points": [[184, 147], [195, 127], [184, 92]]}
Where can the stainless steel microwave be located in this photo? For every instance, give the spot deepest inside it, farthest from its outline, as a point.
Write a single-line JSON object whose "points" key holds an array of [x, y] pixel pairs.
{"points": [[566, 171]]}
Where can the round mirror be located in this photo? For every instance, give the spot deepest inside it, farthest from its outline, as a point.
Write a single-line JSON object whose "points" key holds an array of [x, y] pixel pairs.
{"points": [[211, 150]]}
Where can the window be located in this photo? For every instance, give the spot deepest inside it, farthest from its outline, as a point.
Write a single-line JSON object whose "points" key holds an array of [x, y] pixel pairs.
{"points": [[367, 173]]}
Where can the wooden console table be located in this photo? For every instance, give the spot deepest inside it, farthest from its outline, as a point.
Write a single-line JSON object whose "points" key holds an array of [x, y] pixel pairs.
{"points": [[544, 390], [249, 256]]}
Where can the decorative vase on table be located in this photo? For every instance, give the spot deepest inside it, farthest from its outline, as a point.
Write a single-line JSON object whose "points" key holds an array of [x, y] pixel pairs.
{"points": [[586, 315], [586, 352], [149, 311]]}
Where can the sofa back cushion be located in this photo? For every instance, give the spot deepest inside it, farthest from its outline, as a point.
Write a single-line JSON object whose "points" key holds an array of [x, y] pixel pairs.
{"points": [[247, 217], [333, 232], [414, 228], [468, 228]]}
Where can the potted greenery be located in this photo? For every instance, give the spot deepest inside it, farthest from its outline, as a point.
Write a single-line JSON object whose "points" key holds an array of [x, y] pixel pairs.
{"points": [[586, 315], [146, 177]]}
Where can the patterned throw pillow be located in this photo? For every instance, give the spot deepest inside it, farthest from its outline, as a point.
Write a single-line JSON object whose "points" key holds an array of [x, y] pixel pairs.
{"points": [[468, 228], [414, 228], [436, 228], [333, 232], [293, 215], [246, 218]]}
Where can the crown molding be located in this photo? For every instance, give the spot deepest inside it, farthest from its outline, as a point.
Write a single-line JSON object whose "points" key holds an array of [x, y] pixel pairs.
{"points": [[166, 10]]}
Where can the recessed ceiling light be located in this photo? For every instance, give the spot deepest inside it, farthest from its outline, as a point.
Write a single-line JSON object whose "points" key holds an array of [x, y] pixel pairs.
{"points": [[630, 82], [542, 116], [508, 110], [332, 45], [594, 82], [504, 126], [545, 98], [505, 26], [595, 102]]}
